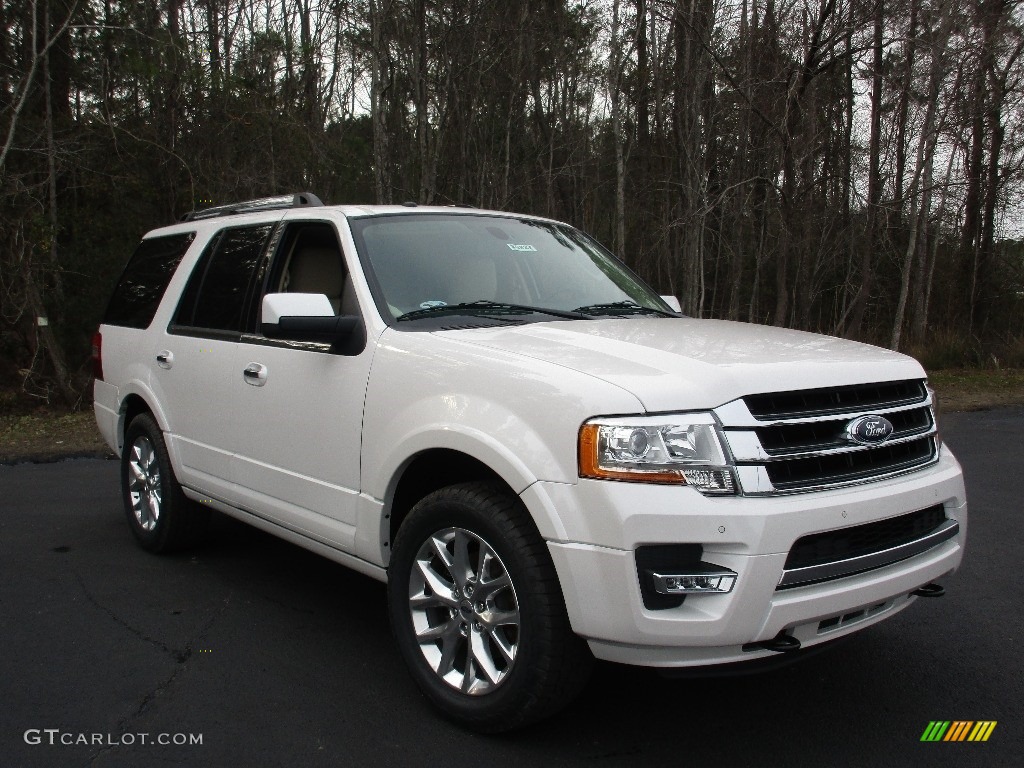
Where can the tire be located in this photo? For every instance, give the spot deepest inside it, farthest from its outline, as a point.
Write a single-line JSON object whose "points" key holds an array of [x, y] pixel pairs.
{"points": [[484, 634], [159, 514]]}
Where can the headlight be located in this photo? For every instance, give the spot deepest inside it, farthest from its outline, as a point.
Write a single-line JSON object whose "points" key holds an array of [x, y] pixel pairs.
{"points": [[683, 449]]}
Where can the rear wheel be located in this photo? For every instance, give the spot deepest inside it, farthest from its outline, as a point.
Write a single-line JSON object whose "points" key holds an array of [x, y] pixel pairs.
{"points": [[477, 611], [161, 517]]}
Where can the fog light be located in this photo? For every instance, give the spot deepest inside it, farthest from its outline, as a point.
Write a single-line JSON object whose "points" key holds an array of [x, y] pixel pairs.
{"points": [[710, 480], [718, 582]]}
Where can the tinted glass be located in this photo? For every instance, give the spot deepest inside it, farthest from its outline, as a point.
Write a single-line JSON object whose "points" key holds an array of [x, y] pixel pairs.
{"points": [[187, 303], [144, 280], [425, 261], [216, 293]]}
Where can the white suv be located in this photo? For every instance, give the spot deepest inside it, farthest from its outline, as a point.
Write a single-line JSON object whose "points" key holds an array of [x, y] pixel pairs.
{"points": [[543, 459]]}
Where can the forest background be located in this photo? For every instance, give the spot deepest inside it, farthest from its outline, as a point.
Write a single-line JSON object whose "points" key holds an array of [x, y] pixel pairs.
{"points": [[852, 167]]}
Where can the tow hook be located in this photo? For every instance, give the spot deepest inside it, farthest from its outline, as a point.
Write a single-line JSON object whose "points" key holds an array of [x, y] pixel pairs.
{"points": [[781, 643], [929, 590]]}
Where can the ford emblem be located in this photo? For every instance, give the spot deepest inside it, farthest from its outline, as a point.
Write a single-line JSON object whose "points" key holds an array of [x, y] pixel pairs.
{"points": [[869, 430]]}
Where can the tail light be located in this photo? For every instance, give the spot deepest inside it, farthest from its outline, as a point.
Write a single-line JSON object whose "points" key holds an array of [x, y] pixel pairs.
{"points": [[97, 356]]}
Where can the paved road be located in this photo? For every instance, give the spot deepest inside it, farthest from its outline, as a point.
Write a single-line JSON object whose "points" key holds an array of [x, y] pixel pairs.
{"points": [[277, 657]]}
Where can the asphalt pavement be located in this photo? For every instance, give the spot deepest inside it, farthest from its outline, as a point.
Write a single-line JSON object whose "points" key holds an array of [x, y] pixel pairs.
{"points": [[253, 652]]}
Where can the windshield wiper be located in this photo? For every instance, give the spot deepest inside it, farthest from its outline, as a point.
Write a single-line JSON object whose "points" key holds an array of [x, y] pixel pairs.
{"points": [[622, 308], [485, 308]]}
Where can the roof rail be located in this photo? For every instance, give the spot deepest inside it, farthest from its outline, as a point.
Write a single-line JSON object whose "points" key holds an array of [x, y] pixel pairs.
{"points": [[300, 200]]}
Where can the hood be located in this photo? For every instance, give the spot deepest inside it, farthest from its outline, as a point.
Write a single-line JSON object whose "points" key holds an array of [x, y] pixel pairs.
{"points": [[685, 364]]}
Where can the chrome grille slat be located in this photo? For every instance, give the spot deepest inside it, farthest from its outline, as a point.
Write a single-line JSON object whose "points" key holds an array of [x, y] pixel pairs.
{"points": [[859, 398], [849, 467], [833, 449], [789, 440], [736, 414]]}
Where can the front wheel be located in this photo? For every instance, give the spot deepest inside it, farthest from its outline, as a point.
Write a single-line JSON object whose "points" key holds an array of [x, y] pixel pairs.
{"points": [[477, 611]]}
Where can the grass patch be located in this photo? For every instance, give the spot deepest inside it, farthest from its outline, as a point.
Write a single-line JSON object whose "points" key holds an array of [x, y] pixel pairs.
{"points": [[47, 435], [973, 389]]}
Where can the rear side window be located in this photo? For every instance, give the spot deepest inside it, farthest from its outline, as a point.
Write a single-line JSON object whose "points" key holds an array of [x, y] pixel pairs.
{"points": [[144, 280], [218, 289]]}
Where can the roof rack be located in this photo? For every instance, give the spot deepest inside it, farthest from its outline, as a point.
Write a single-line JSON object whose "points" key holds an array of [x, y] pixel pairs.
{"points": [[300, 200]]}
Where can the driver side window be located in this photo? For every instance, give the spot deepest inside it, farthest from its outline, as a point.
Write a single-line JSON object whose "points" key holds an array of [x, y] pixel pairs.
{"points": [[309, 260]]}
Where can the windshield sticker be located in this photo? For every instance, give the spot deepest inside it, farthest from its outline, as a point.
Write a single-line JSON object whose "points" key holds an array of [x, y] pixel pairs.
{"points": [[517, 247], [433, 303]]}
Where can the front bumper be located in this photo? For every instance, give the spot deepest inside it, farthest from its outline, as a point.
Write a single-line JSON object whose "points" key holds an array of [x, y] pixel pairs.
{"points": [[600, 524]]}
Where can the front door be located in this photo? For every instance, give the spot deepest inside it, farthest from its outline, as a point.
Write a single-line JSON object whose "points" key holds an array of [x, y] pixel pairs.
{"points": [[299, 408]]}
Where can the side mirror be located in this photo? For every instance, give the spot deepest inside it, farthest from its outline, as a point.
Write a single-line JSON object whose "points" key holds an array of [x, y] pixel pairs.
{"points": [[310, 317], [673, 301]]}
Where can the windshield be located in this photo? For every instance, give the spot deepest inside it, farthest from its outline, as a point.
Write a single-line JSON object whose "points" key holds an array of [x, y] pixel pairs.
{"points": [[433, 267]]}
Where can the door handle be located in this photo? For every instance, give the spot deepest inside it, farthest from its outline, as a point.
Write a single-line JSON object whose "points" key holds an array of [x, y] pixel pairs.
{"points": [[255, 374], [165, 359]]}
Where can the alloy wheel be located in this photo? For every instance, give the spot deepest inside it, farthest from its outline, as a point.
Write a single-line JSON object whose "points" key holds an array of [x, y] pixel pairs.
{"points": [[144, 486], [464, 609]]}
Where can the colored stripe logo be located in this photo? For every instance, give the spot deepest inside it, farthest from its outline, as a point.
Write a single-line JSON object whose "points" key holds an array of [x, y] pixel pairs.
{"points": [[958, 730]]}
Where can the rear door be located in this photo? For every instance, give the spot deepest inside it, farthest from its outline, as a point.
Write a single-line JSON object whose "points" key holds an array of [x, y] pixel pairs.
{"points": [[194, 373], [296, 408]]}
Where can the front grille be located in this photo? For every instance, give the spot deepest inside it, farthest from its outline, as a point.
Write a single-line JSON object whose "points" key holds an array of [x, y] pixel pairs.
{"points": [[859, 540], [859, 397], [788, 442]]}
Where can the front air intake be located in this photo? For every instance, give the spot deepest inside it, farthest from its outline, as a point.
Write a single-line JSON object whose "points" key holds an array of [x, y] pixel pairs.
{"points": [[847, 551]]}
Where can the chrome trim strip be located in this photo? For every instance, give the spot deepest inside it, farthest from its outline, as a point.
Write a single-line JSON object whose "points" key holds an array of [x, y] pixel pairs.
{"points": [[745, 445], [263, 341], [839, 568], [754, 481]]}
